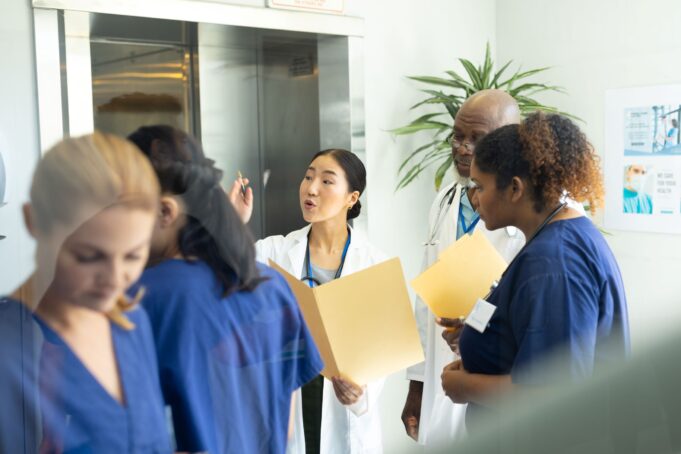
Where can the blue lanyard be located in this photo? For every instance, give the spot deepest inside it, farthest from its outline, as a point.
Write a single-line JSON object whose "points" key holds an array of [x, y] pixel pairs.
{"points": [[309, 277], [473, 223]]}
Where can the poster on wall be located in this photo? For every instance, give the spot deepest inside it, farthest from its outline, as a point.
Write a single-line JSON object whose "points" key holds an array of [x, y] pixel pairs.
{"points": [[319, 6], [643, 159]]}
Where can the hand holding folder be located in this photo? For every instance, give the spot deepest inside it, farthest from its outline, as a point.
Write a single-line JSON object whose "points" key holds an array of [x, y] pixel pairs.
{"points": [[362, 323], [463, 273]]}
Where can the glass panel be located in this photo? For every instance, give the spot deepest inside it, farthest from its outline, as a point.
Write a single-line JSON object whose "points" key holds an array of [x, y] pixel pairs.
{"points": [[139, 84]]}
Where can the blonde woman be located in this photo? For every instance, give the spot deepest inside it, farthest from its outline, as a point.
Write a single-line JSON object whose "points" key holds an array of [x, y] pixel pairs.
{"points": [[78, 365]]}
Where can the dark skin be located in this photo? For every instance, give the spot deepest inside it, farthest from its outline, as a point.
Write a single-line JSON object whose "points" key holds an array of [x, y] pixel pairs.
{"points": [[452, 331], [498, 208], [481, 114]]}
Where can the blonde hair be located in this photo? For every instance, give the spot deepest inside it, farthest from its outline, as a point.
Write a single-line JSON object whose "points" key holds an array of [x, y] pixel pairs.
{"points": [[93, 171]]}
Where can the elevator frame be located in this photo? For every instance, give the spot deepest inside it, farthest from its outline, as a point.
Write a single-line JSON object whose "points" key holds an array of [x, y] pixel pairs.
{"points": [[63, 60]]}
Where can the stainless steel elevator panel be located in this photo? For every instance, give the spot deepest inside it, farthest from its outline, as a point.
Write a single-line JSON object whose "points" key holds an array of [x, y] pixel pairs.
{"points": [[261, 101], [260, 114], [142, 73], [137, 84], [290, 120], [228, 80]]}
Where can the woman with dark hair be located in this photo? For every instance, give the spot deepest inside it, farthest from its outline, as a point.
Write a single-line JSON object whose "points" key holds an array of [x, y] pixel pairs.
{"points": [[231, 343], [333, 416], [563, 293]]}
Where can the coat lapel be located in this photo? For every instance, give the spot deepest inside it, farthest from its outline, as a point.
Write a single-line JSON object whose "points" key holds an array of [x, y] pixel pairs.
{"points": [[296, 254]]}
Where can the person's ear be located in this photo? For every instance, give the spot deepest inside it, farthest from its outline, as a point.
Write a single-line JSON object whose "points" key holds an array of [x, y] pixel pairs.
{"points": [[170, 211], [518, 189], [28, 219], [354, 197]]}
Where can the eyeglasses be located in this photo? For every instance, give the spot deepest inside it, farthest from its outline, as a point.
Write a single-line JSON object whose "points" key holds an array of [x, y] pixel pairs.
{"points": [[456, 144]]}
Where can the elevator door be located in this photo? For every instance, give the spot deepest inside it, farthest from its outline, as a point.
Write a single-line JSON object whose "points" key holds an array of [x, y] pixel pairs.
{"points": [[142, 73], [252, 96], [260, 114]]}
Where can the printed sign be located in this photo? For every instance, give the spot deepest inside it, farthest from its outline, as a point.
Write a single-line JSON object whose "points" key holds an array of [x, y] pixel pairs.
{"points": [[643, 159]]}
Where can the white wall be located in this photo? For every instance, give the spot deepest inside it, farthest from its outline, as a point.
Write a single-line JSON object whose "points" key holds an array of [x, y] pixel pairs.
{"points": [[405, 37], [18, 136], [594, 46]]}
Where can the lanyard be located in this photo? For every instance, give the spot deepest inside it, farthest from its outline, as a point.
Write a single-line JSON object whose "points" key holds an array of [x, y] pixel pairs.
{"points": [[548, 219], [308, 264], [473, 223]]}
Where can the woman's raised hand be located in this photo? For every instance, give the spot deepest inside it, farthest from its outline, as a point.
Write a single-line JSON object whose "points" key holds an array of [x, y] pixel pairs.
{"points": [[241, 196]]}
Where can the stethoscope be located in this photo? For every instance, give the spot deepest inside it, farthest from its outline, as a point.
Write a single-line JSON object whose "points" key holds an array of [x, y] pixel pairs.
{"points": [[311, 280], [541, 227], [449, 198], [447, 201]]}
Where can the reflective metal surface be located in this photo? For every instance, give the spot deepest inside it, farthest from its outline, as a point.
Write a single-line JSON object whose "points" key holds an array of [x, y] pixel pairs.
{"points": [[212, 12], [262, 101], [228, 80], [141, 73], [78, 72], [46, 32]]}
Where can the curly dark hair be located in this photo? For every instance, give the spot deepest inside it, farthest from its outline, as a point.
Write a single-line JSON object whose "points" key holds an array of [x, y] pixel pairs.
{"points": [[548, 151]]}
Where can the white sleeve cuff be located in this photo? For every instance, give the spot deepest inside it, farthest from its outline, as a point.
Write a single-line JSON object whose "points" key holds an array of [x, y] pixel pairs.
{"points": [[362, 405], [417, 372]]}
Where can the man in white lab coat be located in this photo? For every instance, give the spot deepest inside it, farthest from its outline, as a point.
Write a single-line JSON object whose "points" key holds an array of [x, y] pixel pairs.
{"points": [[429, 416]]}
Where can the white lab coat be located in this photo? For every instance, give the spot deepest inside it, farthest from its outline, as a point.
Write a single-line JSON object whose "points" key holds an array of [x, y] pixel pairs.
{"points": [[442, 421], [354, 429]]}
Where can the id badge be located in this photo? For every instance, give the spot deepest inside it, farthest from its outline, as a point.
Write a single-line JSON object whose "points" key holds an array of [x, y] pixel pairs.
{"points": [[480, 316]]}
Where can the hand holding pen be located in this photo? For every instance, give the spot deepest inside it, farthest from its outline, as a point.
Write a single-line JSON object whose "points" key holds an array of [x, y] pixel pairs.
{"points": [[241, 196]]}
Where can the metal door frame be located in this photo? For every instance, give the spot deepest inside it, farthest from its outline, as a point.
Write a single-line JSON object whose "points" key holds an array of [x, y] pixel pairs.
{"points": [[63, 61], [62, 113]]}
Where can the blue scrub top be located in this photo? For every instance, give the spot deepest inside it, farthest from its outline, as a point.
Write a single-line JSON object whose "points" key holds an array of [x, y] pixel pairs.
{"points": [[636, 202], [228, 365], [60, 399], [563, 294]]}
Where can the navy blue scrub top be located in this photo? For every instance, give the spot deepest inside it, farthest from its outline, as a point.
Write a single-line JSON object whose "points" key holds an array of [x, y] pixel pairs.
{"points": [[56, 404], [563, 294], [228, 365]]}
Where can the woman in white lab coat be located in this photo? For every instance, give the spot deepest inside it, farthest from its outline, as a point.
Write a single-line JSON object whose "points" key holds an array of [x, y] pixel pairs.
{"points": [[331, 416]]}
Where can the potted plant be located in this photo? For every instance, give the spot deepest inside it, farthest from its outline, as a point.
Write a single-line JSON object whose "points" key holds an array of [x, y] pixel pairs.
{"points": [[452, 92]]}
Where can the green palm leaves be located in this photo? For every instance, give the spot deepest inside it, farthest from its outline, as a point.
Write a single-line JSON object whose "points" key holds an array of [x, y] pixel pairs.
{"points": [[450, 93]]}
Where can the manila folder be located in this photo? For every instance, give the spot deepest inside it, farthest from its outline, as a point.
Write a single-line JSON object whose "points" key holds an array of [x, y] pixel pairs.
{"points": [[463, 273], [363, 323]]}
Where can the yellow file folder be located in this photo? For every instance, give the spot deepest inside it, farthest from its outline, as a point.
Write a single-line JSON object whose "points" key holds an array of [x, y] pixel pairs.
{"points": [[463, 273], [362, 323]]}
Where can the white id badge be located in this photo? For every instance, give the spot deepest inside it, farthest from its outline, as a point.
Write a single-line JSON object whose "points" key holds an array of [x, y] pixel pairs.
{"points": [[480, 315]]}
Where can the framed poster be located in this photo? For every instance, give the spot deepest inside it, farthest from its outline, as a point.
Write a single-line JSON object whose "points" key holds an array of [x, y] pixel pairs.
{"points": [[643, 159], [318, 6]]}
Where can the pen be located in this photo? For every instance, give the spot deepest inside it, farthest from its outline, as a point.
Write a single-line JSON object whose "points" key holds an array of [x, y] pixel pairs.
{"points": [[241, 180]]}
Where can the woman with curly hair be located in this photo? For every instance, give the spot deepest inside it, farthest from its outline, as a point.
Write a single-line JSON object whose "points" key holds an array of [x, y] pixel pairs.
{"points": [[563, 292]]}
